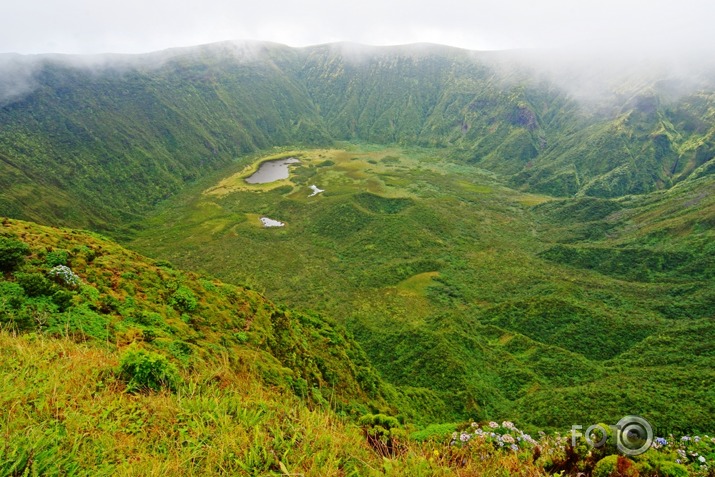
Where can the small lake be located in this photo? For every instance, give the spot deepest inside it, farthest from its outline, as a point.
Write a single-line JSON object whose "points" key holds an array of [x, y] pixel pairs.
{"points": [[270, 171]]}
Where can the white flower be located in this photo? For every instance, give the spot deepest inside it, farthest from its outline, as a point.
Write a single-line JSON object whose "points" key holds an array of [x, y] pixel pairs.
{"points": [[701, 459], [493, 425], [66, 275]]}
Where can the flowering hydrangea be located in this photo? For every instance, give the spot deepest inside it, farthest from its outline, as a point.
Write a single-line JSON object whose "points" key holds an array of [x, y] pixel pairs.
{"points": [[484, 439], [64, 274]]}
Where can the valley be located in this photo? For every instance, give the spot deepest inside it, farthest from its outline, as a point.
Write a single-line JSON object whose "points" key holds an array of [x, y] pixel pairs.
{"points": [[462, 290], [457, 239]]}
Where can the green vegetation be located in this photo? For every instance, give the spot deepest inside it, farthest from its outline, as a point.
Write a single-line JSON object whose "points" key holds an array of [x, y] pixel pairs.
{"points": [[146, 132], [462, 292], [485, 249], [147, 371], [155, 312]]}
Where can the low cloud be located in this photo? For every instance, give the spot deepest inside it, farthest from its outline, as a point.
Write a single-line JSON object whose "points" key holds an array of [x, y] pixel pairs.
{"points": [[133, 26]]}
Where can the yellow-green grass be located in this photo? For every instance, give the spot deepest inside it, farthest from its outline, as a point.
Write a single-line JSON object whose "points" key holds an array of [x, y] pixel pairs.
{"points": [[417, 284], [65, 412]]}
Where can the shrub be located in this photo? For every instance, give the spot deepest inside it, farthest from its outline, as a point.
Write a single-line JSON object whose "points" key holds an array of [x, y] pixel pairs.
{"points": [[62, 274], [671, 469], [63, 299], [12, 253], [80, 322], [615, 466], [184, 299], [12, 296], [34, 284], [147, 371], [382, 433], [57, 257]]}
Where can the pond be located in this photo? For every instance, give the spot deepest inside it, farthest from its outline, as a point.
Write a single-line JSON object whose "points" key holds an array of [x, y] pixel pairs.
{"points": [[271, 171], [271, 222]]}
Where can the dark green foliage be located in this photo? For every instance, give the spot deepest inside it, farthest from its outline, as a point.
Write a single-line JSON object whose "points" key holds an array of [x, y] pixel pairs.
{"points": [[343, 221], [34, 284], [56, 257], [12, 295], [470, 300], [580, 210], [382, 433], [147, 371], [382, 205], [81, 322], [183, 299], [638, 264], [12, 253]]}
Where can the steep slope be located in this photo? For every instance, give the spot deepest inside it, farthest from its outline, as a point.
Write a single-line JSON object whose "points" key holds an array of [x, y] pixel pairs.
{"points": [[67, 283], [461, 291], [653, 142], [102, 140], [101, 144], [435, 96], [461, 294]]}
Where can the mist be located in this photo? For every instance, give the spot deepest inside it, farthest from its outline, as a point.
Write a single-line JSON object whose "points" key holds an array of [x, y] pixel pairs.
{"points": [[134, 26], [589, 47], [598, 77]]}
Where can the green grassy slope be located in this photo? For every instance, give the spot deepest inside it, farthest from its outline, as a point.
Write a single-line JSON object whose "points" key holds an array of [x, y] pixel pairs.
{"points": [[462, 293], [652, 143], [427, 251], [103, 142], [103, 145], [112, 364], [123, 299]]}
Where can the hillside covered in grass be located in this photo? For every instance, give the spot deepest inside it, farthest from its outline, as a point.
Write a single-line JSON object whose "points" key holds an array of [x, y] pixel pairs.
{"points": [[113, 364], [60, 282], [487, 245], [473, 299], [145, 126]]}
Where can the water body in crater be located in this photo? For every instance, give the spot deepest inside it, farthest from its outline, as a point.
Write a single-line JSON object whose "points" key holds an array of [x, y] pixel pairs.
{"points": [[271, 171]]}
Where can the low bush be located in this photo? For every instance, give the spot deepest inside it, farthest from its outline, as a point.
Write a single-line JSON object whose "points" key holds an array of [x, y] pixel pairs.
{"points": [[147, 371]]}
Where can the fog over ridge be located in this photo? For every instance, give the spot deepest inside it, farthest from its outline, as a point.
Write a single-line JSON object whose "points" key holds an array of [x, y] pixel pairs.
{"points": [[588, 75]]}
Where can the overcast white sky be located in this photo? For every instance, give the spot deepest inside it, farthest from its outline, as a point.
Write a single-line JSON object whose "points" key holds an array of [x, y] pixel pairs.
{"points": [[135, 26]]}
